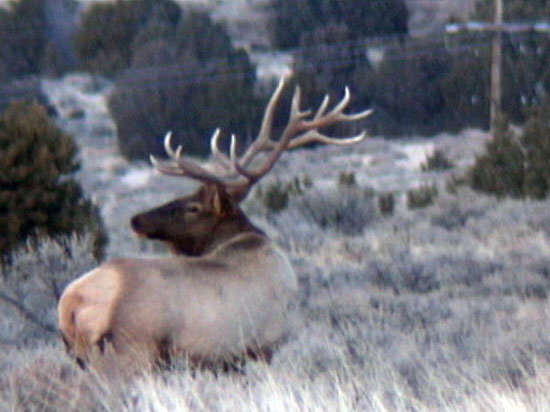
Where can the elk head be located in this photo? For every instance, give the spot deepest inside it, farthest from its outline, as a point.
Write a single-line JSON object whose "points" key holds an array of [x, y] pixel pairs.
{"points": [[195, 224]]}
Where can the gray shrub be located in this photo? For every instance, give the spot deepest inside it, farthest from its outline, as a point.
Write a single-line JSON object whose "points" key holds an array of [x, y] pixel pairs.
{"points": [[346, 210], [32, 283]]}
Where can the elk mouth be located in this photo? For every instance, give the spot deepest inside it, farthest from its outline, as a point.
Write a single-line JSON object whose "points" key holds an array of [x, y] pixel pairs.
{"points": [[141, 235], [149, 236], [140, 229]]}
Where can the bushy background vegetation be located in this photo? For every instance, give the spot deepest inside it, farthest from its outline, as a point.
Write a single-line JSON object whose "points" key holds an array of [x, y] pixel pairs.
{"points": [[516, 163], [39, 197], [424, 85], [36, 37], [32, 282], [292, 21], [416, 293], [176, 70], [104, 42]]}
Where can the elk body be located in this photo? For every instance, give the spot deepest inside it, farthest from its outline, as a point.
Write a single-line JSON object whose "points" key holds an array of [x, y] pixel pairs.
{"points": [[226, 291]]}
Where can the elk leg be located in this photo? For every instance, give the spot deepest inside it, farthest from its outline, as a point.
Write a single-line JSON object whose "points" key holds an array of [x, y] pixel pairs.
{"points": [[164, 354], [103, 341], [69, 350], [80, 362], [260, 354]]}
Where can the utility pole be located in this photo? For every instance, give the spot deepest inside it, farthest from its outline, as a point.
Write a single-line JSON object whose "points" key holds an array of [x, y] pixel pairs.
{"points": [[497, 27], [496, 67]]}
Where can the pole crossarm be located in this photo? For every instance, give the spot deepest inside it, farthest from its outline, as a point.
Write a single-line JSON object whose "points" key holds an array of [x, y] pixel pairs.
{"points": [[497, 27], [477, 26]]}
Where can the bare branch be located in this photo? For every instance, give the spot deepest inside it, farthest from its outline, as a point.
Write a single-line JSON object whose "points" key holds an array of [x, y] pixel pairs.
{"points": [[26, 313]]}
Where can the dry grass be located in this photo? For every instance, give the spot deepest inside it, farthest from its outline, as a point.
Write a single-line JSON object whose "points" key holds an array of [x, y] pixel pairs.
{"points": [[443, 308], [47, 383]]}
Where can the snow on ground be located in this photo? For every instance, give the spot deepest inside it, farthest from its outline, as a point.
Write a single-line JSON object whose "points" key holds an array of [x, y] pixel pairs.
{"points": [[81, 102], [78, 92], [415, 154], [271, 66], [136, 178]]}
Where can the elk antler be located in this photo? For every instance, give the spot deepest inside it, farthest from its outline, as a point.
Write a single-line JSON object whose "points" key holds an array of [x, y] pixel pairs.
{"points": [[236, 174]]}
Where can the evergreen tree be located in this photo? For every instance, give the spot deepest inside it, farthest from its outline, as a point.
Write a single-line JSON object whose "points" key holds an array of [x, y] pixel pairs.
{"points": [[293, 19], [500, 170], [108, 30], [38, 196], [35, 36], [536, 143], [516, 165], [22, 30], [186, 78]]}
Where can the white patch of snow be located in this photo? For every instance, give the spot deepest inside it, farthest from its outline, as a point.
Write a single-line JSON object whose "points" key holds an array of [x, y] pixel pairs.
{"points": [[415, 154], [272, 65], [76, 92], [136, 178]]}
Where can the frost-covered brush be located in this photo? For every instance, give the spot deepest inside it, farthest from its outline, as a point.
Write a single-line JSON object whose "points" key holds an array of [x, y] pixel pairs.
{"points": [[228, 289]]}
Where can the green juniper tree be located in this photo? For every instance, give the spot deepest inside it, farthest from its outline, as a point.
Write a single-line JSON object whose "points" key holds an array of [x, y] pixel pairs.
{"points": [[500, 170], [293, 19], [536, 143], [516, 164], [37, 194]]}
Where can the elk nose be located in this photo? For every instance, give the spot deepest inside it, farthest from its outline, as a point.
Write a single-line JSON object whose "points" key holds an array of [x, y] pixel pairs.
{"points": [[137, 224]]}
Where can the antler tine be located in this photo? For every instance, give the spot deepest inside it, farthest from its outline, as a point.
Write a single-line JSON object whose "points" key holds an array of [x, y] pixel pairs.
{"points": [[321, 119], [233, 149], [335, 115], [216, 152], [294, 124], [323, 107], [160, 166], [295, 112], [314, 135], [264, 136], [179, 166], [235, 161]]}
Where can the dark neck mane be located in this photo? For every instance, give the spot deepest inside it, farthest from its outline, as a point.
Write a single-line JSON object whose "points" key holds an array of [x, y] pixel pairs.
{"points": [[225, 231]]}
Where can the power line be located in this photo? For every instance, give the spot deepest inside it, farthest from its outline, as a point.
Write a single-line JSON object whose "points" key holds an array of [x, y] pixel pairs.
{"points": [[393, 47], [169, 75], [496, 28], [538, 27]]}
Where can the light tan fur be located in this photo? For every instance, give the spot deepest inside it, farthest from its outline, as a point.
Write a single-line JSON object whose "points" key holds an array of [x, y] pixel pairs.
{"points": [[212, 307]]}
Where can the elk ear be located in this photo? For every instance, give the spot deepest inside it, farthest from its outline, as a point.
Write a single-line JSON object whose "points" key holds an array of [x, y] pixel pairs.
{"points": [[221, 202]]}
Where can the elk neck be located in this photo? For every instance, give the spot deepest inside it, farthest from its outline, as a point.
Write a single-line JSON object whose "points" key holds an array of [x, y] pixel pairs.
{"points": [[224, 230]]}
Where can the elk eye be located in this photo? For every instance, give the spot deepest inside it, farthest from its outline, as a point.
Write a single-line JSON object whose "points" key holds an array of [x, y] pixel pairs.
{"points": [[192, 208]]}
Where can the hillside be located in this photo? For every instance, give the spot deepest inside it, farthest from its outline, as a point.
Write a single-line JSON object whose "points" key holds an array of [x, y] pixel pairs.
{"points": [[433, 304], [442, 308], [246, 18], [121, 189]]}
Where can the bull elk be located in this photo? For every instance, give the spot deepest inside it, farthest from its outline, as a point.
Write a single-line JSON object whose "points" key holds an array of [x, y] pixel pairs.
{"points": [[227, 290]]}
